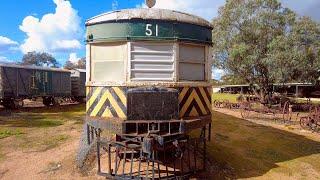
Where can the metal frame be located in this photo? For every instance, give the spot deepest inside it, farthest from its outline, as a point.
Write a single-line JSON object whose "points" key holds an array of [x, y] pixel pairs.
{"points": [[172, 158]]}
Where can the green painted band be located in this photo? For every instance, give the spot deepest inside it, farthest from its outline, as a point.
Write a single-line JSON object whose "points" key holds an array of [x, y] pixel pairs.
{"points": [[137, 30]]}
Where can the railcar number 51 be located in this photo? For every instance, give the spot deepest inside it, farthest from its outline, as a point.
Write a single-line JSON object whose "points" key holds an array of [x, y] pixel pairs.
{"points": [[149, 31]]}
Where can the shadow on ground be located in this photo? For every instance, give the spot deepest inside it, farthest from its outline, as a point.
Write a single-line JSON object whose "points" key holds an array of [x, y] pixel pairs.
{"points": [[242, 149]]}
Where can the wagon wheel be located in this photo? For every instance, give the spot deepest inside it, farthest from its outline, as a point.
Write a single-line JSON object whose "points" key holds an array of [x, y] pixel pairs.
{"points": [[286, 112], [314, 110], [304, 122], [245, 109], [216, 104], [226, 104], [313, 124], [245, 112], [18, 103], [317, 125], [235, 106]]}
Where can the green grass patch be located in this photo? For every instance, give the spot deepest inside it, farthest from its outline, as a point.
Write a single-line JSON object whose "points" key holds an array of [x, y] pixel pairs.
{"points": [[225, 96], [42, 143], [44, 118], [303, 100], [9, 132], [55, 141], [32, 120]]}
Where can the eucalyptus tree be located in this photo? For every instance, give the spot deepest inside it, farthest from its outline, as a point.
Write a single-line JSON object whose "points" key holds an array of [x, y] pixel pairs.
{"points": [[39, 59], [262, 43]]}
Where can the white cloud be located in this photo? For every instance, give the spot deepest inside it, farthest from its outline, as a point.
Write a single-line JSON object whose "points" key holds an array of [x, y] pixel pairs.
{"points": [[54, 32], [73, 58], [7, 41], [7, 44], [3, 59], [207, 9]]}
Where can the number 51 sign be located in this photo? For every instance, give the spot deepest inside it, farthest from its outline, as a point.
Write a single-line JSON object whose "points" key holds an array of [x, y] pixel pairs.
{"points": [[152, 30]]}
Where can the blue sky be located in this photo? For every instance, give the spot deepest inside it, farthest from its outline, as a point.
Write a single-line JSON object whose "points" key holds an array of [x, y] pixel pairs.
{"points": [[14, 12], [57, 26]]}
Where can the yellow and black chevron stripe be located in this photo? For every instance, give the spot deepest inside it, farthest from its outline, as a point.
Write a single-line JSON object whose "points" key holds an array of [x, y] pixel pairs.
{"points": [[107, 102], [194, 101]]}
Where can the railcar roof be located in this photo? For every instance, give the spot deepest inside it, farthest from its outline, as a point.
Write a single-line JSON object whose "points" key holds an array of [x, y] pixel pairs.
{"points": [[33, 67], [154, 14]]}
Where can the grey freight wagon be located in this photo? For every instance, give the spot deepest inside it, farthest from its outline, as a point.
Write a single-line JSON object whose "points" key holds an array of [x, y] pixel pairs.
{"points": [[78, 84], [22, 82]]}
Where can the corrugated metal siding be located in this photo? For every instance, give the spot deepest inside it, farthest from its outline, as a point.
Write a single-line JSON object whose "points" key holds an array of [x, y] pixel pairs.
{"points": [[61, 84], [152, 61], [192, 62]]}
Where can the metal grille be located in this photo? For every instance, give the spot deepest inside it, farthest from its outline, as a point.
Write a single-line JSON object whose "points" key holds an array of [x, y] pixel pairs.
{"points": [[151, 62]]}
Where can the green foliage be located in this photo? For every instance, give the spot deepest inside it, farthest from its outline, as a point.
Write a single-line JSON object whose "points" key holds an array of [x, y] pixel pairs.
{"points": [[261, 43], [81, 64], [9, 132], [230, 79], [39, 59]]}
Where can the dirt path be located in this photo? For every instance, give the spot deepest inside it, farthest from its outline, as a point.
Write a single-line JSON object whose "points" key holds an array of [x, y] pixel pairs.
{"points": [[56, 163], [42, 144]]}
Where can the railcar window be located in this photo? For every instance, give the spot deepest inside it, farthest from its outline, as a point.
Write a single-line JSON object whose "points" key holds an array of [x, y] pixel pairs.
{"points": [[151, 62], [107, 62], [191, 62]]}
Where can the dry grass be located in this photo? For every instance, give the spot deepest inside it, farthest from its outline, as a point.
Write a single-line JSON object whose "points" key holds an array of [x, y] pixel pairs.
{"points": [[36, 143], [39, 129], [225, 96], [239, 148], [250, 150]]}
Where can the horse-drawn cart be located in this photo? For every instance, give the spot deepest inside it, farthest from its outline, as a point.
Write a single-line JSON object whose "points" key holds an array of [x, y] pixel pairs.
{"points": [[283, 108], [312, 120]]}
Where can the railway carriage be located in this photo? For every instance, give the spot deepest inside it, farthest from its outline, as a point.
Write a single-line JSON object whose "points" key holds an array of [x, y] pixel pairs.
{"points": [[78, 82], [148, 73], [21, 82]]}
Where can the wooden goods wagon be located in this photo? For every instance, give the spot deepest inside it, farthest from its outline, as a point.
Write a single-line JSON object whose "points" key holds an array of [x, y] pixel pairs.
{"points": [[22, 82], [78, 81]]}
